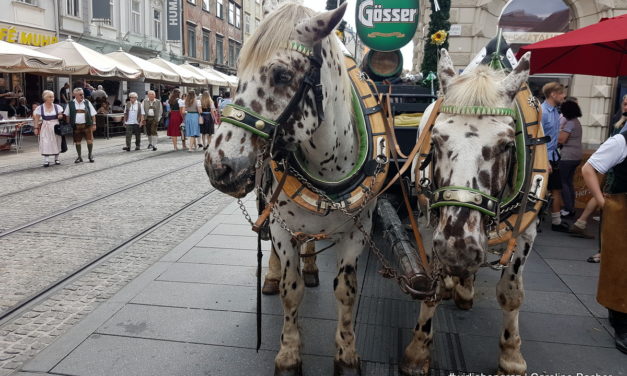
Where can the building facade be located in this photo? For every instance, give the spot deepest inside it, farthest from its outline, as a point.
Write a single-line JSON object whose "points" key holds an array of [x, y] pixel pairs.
{"points": [[213, 33], [475, 22], [253, 12]]}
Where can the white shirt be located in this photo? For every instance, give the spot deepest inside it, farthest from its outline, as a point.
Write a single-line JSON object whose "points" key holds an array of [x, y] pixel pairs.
{"points": [[46, 112], [80, 118], [610, 153], [133, 110]]}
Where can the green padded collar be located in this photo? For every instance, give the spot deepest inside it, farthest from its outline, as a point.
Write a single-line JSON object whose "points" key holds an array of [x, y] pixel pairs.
{"points": [[477, 110]]}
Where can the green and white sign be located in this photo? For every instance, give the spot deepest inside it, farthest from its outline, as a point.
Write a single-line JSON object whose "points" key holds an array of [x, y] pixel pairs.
{"points": [[386, 25]]}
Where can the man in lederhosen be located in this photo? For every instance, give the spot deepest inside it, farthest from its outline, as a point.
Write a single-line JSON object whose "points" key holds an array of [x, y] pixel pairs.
{"points": [[81, 114], [612, 288], [152, 111]]}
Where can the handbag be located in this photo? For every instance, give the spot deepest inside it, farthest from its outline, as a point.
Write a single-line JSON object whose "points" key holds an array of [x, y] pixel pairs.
{"points": [[61, 128]]}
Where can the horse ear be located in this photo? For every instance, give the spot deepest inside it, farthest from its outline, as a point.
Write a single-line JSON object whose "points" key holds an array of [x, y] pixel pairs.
{"points": [[269, 6], [446, 70], [511, 84], [318, 27]]}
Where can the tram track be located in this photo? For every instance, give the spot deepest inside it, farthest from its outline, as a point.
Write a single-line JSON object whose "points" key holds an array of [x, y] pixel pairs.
{"points": [[91, 200], [42, 294]]}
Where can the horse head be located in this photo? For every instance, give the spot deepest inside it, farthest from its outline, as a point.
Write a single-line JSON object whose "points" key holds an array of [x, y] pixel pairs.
{"points": [[473, 145], [279, 102]]}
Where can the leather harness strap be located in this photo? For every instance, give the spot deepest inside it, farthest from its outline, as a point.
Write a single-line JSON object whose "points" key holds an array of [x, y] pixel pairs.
{"points": [[390, 118], [270, 204]]}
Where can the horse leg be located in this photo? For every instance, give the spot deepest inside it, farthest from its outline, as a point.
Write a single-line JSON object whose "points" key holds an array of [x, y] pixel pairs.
{"points": [[310, 269], [271, 282], [346, 360], [464, 292], [510, 295], [288, 361], [417, 356]]}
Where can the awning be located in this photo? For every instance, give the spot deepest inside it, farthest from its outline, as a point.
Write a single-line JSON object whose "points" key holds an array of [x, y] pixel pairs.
{"points": [[232, 80], [16, 58], [83, 61], [212, 78], [187, 77], [149, 70]]}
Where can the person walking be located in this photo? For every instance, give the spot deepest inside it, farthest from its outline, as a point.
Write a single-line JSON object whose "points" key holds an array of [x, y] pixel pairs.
{"points": [[554, 93], [64, 97], [612, 154], [153, 110], [191, 115], [207, 126], [133, 118], [571, 154], [46, 116], [81, 114], [176, 119]]}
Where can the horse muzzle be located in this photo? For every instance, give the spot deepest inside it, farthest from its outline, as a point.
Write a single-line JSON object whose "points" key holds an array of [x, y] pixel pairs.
{"points": [[233, 176]]}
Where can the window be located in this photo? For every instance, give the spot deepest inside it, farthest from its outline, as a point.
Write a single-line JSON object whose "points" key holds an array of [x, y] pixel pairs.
{"points": [[192, 1], [219, 50], [231, 13], [136, 19], [206, 54], [191, 40], [238, 17], [31, 2], [219, 8], [72, 8], [205, 5], [156, 21], [231, 53], [257, 23], [247, 23]]}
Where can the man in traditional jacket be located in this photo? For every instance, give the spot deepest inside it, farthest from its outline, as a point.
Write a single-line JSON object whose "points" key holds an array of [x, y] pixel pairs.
{"points": [[612, 288], [152, 110], [133, 117], [81, 114]]}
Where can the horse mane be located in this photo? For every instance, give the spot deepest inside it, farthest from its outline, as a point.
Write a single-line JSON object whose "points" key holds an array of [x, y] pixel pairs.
{"points": [[479, 87], [273, 35]]}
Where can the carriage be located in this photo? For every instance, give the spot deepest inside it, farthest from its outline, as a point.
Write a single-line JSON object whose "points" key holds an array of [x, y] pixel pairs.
{"points": [[310, 135]]}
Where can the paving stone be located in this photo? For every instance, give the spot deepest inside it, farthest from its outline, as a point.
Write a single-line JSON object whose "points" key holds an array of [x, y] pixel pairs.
{"points": [[581, 284], [574, 267], [225, 241]]}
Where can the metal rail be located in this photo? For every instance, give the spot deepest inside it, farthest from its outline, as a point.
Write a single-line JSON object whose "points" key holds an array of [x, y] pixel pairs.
{"points": [[44, 293]]}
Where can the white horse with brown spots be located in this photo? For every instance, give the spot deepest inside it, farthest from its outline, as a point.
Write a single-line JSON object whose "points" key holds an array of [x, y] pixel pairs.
{"points": [[271, 74], [473, 151]]}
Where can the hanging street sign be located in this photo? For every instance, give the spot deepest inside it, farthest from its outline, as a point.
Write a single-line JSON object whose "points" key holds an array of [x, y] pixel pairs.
{"points": [[386, 25]]}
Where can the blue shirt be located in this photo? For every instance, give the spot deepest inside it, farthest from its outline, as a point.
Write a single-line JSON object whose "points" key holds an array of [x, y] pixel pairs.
{"points": [[551, 126]]}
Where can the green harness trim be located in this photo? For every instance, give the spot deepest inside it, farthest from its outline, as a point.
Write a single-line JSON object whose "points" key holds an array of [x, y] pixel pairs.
{"points": [[478, 110], [466, 197], [249, 120], [299, 47], [362, 132]]}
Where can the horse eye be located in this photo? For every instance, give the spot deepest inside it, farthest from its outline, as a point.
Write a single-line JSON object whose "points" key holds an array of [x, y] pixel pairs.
{"points": [[282, 77]]}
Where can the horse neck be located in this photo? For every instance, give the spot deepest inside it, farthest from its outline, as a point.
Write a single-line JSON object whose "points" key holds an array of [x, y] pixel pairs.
{"points": [[333, 148]]}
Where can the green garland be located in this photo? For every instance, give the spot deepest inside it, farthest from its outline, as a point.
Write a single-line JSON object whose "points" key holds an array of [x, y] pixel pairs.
{"points": [[439, 21]]}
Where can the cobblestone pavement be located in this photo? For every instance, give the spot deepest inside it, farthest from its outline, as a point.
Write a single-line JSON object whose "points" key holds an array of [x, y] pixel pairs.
{"points": [[41, 254]]}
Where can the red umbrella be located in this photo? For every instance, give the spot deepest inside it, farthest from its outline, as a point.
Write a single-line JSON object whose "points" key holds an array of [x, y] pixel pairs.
{"points": [[596, 50]]}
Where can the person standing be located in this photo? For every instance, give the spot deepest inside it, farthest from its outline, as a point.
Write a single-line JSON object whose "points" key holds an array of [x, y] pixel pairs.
{"points": [[571, 154], [554, 93], [152, 109], [81, 114], [226, 100], [612, 154], [191, 114], [176, 118], [133, 118], [207, 126], [46, 117], [64, 97]]}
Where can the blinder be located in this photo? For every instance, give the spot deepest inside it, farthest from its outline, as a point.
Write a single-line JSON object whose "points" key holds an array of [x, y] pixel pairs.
{"points": [[267, 129]]}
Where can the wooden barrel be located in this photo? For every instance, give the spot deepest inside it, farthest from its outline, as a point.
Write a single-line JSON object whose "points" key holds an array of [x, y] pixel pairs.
{"points": [[380, 65]]}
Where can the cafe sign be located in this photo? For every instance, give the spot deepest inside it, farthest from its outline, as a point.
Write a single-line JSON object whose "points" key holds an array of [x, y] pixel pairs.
{"points": [[386, 25], [12, 35]]}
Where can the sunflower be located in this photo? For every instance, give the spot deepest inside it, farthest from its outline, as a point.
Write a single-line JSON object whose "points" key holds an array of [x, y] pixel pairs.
{"points": [[439, 37]]}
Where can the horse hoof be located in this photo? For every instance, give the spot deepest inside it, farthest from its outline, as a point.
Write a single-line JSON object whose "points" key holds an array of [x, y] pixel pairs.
{"points": [[406, 368], [342, 369], [462, 303], [270, 287], [296, 370], [311, 279]]}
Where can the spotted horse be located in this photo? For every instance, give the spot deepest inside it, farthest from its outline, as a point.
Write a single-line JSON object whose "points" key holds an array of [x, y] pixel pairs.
{"points": [[481, 178], [298, 123]]}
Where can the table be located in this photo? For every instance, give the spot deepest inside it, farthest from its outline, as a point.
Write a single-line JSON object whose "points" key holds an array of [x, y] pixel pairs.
{"points": [[11, 128], [117, 118]]}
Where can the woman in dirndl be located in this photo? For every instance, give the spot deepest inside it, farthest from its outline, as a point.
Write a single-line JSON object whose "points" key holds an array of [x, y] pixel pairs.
{"points": [[46, 117], [176, 119], [207, 127], [192, 116]]}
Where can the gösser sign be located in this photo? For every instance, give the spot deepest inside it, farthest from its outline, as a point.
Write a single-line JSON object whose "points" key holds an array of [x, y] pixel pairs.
{"points": [[386, 25]]}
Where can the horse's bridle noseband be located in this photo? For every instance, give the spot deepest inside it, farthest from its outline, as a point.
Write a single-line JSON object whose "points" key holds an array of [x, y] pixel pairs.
{"points": [[267, 129]]}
